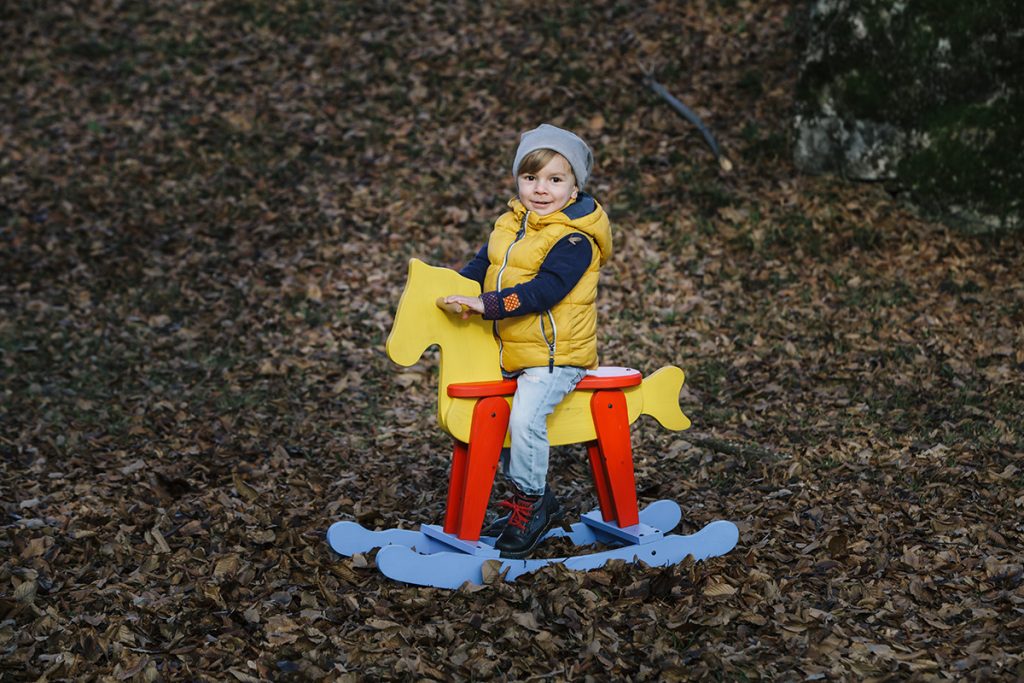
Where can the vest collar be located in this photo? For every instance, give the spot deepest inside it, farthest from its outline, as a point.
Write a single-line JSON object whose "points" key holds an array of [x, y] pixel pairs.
{"points": [[581, 207]]}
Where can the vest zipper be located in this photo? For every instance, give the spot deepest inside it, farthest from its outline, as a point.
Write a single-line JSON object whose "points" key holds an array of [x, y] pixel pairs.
{"points": [[501, 271], [554, 339]]}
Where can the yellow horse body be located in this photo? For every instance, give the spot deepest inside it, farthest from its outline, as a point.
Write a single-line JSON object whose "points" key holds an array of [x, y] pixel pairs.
{"points": [[469, 353]]}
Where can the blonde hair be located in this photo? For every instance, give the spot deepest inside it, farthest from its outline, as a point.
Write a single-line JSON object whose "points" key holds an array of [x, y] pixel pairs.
{"points": [[537, 159]]}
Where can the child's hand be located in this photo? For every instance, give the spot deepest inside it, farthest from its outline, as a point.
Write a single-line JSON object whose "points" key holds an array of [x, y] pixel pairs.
{"points": [[461, 305]]}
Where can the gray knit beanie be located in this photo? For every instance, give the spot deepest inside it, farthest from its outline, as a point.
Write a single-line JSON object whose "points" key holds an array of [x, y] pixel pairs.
{"points": [[569, 145]]}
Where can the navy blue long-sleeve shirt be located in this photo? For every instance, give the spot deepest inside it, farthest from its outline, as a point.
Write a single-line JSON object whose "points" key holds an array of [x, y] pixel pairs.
{"points": [[562, 268]]}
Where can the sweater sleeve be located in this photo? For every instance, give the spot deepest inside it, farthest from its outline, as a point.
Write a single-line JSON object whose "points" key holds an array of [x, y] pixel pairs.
{"points": [[562, 268], [477, 268]]}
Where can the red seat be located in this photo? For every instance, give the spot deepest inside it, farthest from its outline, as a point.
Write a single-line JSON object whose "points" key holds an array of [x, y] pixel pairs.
{"points": [[611, 454], [603, 378]]}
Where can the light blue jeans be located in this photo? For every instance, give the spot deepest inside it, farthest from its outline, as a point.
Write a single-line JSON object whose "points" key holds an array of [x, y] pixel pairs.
{"points": [[538, 392]]}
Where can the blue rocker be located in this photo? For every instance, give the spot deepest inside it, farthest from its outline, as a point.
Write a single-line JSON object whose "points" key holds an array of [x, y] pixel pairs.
{"points": [[473, 405]]}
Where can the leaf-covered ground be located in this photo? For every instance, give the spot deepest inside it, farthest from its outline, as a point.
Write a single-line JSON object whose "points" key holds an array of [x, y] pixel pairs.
{"points": [[205, 214]]}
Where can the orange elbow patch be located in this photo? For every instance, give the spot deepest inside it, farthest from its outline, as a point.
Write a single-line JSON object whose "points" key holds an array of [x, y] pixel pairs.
{"points": [[510, 302]]}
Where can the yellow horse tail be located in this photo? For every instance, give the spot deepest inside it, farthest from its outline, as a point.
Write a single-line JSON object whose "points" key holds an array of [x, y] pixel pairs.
{"points": [[660, 392]]}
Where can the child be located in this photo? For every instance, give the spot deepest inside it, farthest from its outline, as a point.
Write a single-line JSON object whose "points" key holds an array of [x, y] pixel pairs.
{"points": [[539, 272]]}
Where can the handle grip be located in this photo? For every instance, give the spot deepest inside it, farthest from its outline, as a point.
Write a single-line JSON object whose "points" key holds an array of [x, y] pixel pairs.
{"points": [[452, 307]]}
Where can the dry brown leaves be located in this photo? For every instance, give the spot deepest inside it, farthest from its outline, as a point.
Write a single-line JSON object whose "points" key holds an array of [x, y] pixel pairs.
{"points": [[206, 211]]}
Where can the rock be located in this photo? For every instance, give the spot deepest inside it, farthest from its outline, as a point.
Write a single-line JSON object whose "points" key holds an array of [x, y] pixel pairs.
{"points": [[861, 150]]}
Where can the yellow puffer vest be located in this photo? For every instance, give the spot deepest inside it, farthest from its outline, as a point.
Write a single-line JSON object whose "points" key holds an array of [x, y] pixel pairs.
{"points": [[567, 333]]}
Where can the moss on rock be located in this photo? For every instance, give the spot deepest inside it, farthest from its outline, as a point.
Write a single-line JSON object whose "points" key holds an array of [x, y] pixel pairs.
{"points": [[936, 87]]}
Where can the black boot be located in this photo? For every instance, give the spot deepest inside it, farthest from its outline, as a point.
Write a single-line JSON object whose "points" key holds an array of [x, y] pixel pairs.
{"points": [[531, 517], [497, 526]]}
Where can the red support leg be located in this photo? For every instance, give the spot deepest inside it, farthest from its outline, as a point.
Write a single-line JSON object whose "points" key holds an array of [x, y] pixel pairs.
{"points": [[611, 421], [473, 469], [456, 485], [601, 487]]}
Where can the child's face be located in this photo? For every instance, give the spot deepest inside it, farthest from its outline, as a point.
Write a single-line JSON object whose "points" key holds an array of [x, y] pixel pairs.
{"points": [[549, 189]]}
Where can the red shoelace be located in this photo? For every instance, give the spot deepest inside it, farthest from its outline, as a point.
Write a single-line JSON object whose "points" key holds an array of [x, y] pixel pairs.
{"points": [[522, 510]]}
